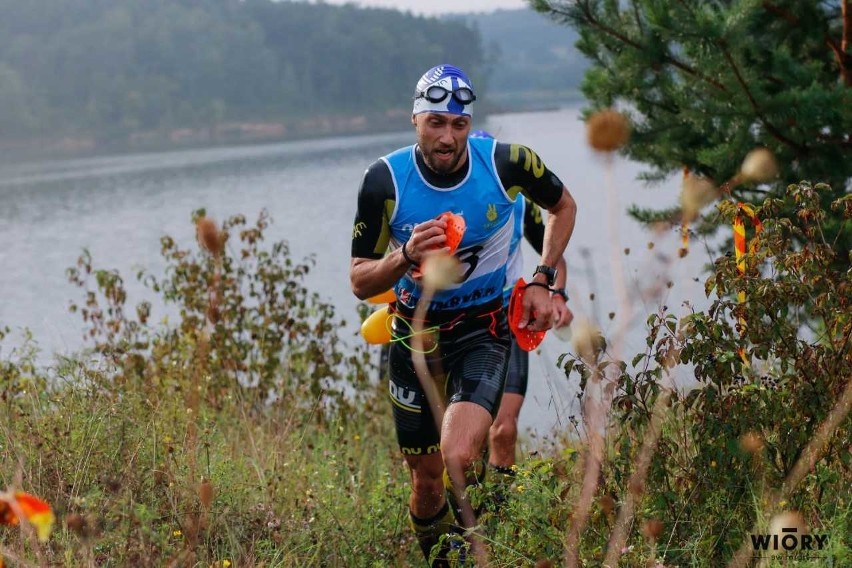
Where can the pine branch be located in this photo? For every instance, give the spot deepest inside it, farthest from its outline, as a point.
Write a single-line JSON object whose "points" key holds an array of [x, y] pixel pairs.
{"points": [[843, 59], [670, 109], [841, 54], [835, 140], [792, 19], [666, 58], [755, 106], [687, 6], [636, 15], [555, 11]]}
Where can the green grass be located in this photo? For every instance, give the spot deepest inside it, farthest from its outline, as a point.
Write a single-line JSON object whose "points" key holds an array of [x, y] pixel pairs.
{"points": [[293, 487]]}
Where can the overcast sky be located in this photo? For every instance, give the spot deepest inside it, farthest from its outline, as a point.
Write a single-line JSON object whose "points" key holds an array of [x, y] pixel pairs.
{"points": [[434, 7]]}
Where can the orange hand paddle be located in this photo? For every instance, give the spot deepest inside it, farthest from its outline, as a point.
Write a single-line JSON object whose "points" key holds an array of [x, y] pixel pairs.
{"points": [[455, 229], [526, 338], [454, 232]]}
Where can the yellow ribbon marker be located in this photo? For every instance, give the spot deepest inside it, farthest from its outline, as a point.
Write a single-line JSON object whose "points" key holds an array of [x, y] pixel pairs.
{"points": [[684, 238], [739, 251]]}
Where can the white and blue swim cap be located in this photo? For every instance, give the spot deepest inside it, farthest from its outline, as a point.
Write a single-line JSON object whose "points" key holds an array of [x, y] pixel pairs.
{"points": [[444, 89]]}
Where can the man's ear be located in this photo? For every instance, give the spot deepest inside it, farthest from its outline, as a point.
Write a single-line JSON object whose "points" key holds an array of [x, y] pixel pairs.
{"points": [[414, 120]]}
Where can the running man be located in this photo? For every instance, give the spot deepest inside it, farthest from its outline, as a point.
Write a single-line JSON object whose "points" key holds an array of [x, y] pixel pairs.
{"points": [[397, 227]]}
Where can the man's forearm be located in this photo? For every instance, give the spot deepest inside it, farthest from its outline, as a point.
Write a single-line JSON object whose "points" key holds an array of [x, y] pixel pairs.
{"points": [[370, 277], [558, 230], [561, 273]]}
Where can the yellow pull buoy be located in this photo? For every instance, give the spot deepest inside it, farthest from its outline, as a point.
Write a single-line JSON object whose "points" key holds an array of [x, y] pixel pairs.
{"points": [[376, 329], [384, 298]]}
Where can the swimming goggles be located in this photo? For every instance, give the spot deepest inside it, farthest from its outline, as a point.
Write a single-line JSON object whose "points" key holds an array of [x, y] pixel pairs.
{"points": [[436, 94]]}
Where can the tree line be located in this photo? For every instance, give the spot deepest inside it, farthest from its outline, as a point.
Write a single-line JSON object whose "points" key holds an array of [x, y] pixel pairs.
{"points": [[110, 67]]}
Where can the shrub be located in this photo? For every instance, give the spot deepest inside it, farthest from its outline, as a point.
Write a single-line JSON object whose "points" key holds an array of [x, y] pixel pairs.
{"points": [[245, 319], [771, 358]]}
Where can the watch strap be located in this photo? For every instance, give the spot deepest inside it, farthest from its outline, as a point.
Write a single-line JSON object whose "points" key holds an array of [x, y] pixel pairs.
{"points": [[548, 271]]}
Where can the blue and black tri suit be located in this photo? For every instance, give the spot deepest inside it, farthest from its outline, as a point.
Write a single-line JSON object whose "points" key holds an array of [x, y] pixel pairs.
{"points": [[470, 359]]}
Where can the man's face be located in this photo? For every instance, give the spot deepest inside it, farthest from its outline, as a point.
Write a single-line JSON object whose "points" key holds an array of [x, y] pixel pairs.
{"points": [[442, 139]]}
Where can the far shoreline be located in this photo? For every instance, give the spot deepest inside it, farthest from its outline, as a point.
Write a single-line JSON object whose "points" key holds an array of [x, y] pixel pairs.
{"points": [[245, 133]]}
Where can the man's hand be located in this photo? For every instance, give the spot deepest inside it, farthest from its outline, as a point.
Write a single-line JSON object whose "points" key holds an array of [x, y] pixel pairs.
{"points": [[562, 314], [537, 308], [369, 277], [427, 238]]}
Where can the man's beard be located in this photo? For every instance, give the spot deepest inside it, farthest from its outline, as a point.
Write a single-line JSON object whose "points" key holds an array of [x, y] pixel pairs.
{"points": [[440, 166]]}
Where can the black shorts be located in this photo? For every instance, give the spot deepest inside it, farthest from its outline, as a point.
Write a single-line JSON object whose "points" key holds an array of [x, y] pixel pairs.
{"points": [[519, 369], [468, 365]]}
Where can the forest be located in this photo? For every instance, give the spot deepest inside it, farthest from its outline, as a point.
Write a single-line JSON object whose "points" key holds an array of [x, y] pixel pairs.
{"points": [[99, 75], [104, 68]]}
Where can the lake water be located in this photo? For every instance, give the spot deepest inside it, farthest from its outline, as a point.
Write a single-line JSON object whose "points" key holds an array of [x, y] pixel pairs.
{"points": [[118, 207]]}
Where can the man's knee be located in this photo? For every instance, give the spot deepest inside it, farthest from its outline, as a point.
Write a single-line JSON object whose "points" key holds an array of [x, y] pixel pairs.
{"points": [[462, 458], [504, 432], [464, 436], [427, 474], [427, 485]]}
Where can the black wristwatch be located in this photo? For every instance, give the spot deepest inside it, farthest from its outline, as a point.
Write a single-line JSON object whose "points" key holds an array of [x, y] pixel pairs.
{"points": [[549, 273]]}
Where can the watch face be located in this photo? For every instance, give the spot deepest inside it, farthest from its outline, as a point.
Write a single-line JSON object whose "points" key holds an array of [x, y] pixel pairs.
{"points": [[549, 272]]}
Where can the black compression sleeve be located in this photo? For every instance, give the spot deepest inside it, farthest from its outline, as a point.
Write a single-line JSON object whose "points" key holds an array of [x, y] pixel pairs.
{"points": [[534, 226], [376, 200], [521, 169]]}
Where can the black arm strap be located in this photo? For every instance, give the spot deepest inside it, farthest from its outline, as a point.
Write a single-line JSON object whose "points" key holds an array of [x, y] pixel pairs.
{"points": [[538, 284], [407, 258]]}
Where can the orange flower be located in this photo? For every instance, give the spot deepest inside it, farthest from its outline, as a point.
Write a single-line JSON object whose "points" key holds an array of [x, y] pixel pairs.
{"points": [[209, 235], [607, 130], [33, 509]]}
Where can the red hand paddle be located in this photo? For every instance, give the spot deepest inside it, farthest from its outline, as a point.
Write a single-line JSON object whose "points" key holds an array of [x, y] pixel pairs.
{"points": [[526, 338]]}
